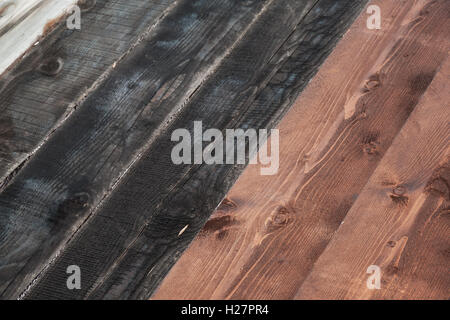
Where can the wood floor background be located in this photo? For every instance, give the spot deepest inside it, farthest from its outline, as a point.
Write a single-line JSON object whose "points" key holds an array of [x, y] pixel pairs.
{"points": [[364, 179], [87, 116], [86, 177]]}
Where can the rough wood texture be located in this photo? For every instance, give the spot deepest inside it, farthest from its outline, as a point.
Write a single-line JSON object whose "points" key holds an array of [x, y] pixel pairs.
{"points": [[23, 22], [266, 236], [12, 12], [51, 82], [401, 220], [130, 242]]}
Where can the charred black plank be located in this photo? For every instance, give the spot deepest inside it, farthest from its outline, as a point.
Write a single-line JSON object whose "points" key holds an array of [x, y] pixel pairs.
{"points": [[35, 99]]}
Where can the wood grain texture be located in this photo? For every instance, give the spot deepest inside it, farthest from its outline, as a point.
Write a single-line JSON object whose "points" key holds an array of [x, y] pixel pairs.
{"points": [[23, 23], [12, 12], [34, 99], [52, 196], [400, 221], [266, 236], [128, 245]]}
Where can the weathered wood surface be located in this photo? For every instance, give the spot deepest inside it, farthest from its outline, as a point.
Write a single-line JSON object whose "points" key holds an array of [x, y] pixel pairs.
{"points": [[248, 77], [12, 12], [23, 22], [71, 173], [34, 99], [264, 239], [401, 220]]}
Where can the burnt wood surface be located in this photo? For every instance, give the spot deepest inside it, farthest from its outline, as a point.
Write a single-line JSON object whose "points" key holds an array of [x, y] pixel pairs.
{"points": [[38, 94], [102, 192]]}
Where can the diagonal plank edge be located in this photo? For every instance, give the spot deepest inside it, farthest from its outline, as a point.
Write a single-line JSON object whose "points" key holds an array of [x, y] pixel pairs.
{"points": [[35, 100], [23, 22]]}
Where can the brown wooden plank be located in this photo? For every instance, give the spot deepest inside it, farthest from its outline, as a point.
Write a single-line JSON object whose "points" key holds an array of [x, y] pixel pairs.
{"points": [[266, 236], [401, 220]]}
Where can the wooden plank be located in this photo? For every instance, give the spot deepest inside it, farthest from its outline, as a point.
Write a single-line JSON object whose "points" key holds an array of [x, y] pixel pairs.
{"points": [[142, 96], [266, 236], [12, 12], [130, 243], [400, 221], [33, 102], [23, 22]]}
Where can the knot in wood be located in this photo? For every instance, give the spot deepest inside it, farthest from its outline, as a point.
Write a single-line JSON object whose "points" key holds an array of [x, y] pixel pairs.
{"points": [[86, 5], [51, 66], [74, 204]]}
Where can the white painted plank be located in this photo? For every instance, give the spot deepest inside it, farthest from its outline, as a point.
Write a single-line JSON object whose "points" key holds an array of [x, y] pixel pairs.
{"points": [[23, 22]]}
